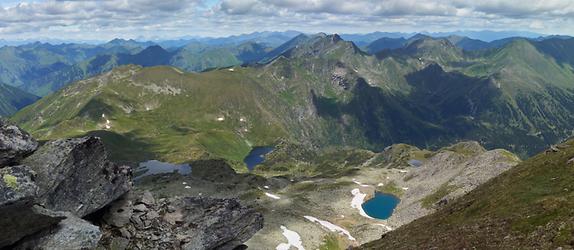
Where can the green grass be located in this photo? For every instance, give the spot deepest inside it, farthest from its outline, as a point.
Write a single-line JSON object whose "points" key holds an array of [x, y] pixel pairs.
{"points": [[526, 207], [176, 124], [391, 188], [331, 242]]}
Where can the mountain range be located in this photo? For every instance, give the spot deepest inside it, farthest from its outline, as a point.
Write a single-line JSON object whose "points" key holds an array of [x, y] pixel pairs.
{"points": [[321, 90], [438, 121]]}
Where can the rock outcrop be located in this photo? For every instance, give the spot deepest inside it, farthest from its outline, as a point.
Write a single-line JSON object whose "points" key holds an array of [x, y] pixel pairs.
{"points": [[70, 233], [15, 144], [179, 223], [46, 192], [75, 175], [18, 214]]}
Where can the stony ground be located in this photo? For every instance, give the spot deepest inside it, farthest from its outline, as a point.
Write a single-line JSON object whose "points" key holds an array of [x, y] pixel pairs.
{"points": [[286, 202]]}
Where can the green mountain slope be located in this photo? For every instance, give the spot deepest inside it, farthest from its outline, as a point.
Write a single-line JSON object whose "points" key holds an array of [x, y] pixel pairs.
{"points": [[323, 92], [527, 207], [13, 99], [180, 112]]}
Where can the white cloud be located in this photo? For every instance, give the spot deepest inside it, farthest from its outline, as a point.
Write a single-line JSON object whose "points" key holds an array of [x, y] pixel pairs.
{"points": [[105, 19]]}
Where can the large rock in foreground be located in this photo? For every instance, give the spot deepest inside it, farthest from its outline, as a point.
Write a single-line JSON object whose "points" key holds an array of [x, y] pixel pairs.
{"points": [[18, 215], [179, 223], [70, 233], [15, 144], [75, 175]]}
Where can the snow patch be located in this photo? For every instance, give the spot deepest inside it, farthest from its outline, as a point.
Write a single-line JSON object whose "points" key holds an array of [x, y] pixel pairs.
{"points": [[385, 227], [360, 184], [272, 196], [187, 187], [357, 202], [403, 171], [293, 240], [331, 227], [380, 185], [221, 118], [266, 187]]}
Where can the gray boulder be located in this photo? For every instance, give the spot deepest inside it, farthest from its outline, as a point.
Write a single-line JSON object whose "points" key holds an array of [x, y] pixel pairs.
{"points": [[75, 175], [18, 215], [20, 220], [225, 224], [15, 144], [17, 186], [71, 233], [179, 223]]}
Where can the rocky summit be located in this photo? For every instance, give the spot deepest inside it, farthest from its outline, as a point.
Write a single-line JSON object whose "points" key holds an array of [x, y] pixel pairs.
{"points": [[66, 194]]}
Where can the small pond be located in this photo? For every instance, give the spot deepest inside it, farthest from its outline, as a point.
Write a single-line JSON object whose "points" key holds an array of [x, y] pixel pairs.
{"points": [[256, 156], [157, 167], [415, 163], [381, 206]]}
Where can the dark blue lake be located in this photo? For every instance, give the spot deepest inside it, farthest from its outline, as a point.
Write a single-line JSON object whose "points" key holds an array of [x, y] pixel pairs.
{"points": [[381, 206], [256, 156], [157, 167]]}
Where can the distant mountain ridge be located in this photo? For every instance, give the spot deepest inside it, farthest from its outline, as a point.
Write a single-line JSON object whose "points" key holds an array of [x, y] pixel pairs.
{"points": [[13, 99], [429, 93]]}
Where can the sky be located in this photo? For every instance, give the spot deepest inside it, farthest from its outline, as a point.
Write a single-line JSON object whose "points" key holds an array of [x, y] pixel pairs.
{"points": [[168, 19]]}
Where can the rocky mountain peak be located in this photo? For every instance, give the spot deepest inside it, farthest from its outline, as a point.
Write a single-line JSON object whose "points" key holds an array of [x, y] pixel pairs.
{"points": [[322, 45]]}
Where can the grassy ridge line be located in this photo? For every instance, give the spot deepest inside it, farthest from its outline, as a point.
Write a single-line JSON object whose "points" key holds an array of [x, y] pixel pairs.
{"points": [[175, 115], [527, 207]]}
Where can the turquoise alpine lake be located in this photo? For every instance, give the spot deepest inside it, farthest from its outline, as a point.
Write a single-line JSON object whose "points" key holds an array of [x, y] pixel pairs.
{"points": [[256, 156], [381, 206]]}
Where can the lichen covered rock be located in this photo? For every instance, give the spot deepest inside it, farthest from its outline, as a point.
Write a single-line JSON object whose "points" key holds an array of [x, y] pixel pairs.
{"points": [[75, 175]]}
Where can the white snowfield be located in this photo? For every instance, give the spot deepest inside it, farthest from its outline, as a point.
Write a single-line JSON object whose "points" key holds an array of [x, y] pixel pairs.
{"points": [[293, 240], [360, 184], [357, 202], [331, 227], [272, 196]]}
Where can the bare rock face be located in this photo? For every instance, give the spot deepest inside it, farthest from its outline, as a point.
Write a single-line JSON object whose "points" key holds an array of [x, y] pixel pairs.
{"points": [[15, 144], [179, 223], [75, 175], [18, 215], [70, 233]]}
